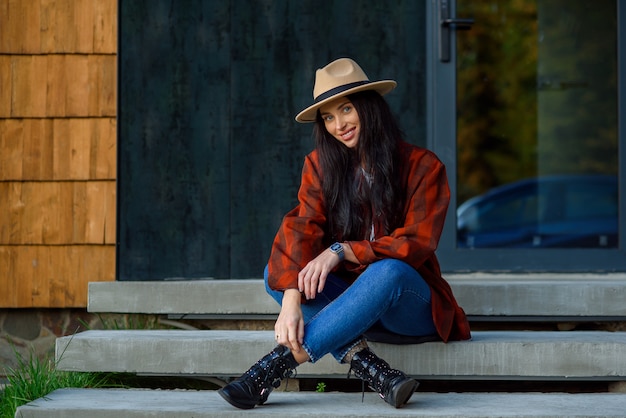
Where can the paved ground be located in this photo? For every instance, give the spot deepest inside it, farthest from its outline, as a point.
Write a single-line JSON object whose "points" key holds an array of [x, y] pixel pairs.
{"points": [[93, 403]]}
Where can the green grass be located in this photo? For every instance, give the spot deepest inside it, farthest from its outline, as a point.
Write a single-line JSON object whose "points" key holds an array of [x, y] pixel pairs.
{"points": [[34, 378]]}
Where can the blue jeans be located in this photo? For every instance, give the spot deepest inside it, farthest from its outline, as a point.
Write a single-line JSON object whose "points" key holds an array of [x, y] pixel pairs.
{"points": [[389, 294]]}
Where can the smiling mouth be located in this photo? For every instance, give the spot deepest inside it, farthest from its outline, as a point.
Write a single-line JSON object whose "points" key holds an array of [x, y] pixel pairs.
{"points": [[348, 134]]}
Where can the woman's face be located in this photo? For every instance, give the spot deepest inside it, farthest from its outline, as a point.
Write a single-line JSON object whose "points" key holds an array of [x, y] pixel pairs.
{"points": [[342, 121]]}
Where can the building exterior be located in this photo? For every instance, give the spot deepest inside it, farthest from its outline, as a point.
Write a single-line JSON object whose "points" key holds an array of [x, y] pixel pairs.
{"points": [[154, 140]]}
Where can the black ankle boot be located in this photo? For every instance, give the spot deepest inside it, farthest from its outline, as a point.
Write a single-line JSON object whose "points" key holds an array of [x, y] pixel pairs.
{"points": [[255, 385], [392, 385]]}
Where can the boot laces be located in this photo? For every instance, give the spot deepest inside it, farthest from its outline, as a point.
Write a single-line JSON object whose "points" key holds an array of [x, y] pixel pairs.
{"points": [[379, 376], [278, 370]]}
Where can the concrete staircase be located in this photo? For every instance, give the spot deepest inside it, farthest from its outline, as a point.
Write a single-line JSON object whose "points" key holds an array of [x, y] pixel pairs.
{"points": [[493, 355]]}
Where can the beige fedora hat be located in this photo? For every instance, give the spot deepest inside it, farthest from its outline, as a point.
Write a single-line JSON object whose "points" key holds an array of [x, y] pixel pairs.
{"points": [[340, 78]]}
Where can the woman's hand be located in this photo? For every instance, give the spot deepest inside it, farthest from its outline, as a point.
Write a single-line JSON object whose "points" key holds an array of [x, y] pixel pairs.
{"points": [[289, 327], [312, 277]]}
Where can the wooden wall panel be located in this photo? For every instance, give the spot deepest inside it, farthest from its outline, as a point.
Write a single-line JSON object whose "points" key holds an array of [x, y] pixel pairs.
{"points": [[58, 26], [57, 213], [58, 85], [58, 149], [52, 276]]}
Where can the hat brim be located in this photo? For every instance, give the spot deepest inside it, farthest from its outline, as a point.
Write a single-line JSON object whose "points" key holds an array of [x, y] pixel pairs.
{"points": [[310, 113]]}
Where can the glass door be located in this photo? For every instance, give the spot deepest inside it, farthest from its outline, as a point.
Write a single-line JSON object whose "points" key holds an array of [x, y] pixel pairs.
{"points": [[533, 152]]}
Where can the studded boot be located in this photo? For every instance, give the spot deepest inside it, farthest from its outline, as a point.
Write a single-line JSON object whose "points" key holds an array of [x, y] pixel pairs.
{"points": [[255, 385], [392, 385]]}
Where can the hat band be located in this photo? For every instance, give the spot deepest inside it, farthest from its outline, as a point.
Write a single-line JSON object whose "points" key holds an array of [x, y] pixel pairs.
{"points": [[338, 90]]}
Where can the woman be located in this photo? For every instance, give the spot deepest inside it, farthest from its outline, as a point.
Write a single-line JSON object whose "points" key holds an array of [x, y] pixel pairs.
{"points": [[357, 254]]}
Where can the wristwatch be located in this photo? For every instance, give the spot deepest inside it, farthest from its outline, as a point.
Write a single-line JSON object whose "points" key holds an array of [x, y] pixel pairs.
{"points": [[337, 248]]}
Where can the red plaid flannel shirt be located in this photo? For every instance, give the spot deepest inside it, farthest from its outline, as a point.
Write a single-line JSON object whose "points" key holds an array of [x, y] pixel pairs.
{"points": [[301, 235]]}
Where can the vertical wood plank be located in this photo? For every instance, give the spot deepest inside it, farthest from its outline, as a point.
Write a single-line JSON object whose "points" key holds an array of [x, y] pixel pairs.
{"points": [[95, 213], [80, 211], [31, 43], [110, 219], [37, 154], [39, 275], [59, 275], [6, 199], [95, 83], [5, 39], [48, 26], [35, 198], [7, 287], [64, 38], [29, 81], [31, 148], [77, 74], [61, 153], [15, 212], [103, 150], [105, 27], [108, 97], [102, 85], [80, 144], [53, 230], [5, 85], [11, 148], [83, 25], [65, 214], [25, 267], [57, 84]]}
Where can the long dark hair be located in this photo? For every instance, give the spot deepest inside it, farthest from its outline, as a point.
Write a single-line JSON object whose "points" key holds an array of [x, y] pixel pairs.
{"points": [[352, 203]]}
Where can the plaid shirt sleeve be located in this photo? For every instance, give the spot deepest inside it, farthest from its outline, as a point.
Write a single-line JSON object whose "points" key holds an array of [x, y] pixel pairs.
{"points": [[301, 234]]}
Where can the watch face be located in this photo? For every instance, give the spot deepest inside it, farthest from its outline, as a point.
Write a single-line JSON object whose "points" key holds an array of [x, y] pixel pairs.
{"points": [[336, 247]]}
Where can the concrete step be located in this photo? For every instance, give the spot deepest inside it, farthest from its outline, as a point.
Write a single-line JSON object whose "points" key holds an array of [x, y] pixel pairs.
{"points": [[489, 355], [99, 403], [485, 296]]}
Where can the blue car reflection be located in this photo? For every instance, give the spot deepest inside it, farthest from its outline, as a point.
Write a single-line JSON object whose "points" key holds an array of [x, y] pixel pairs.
{"points": [[567, 211]]}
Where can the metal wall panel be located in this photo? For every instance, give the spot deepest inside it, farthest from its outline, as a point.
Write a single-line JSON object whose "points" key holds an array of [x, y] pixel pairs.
{"points": [[209, 153]]}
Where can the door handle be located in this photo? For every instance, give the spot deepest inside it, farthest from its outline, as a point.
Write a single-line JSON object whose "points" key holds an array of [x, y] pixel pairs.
{"points": [[446, 25]]}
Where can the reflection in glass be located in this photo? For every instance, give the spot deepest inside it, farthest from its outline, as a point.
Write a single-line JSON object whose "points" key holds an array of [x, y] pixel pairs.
{"points": [[537, 124]]}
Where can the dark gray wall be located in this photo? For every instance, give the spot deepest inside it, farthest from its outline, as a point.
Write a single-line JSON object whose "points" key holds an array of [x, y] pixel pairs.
{"points": [[209, 153]]}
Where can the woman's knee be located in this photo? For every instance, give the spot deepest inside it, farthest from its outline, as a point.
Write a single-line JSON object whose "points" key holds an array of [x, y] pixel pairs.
{"points": [[394, 277], [392, 269]]}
